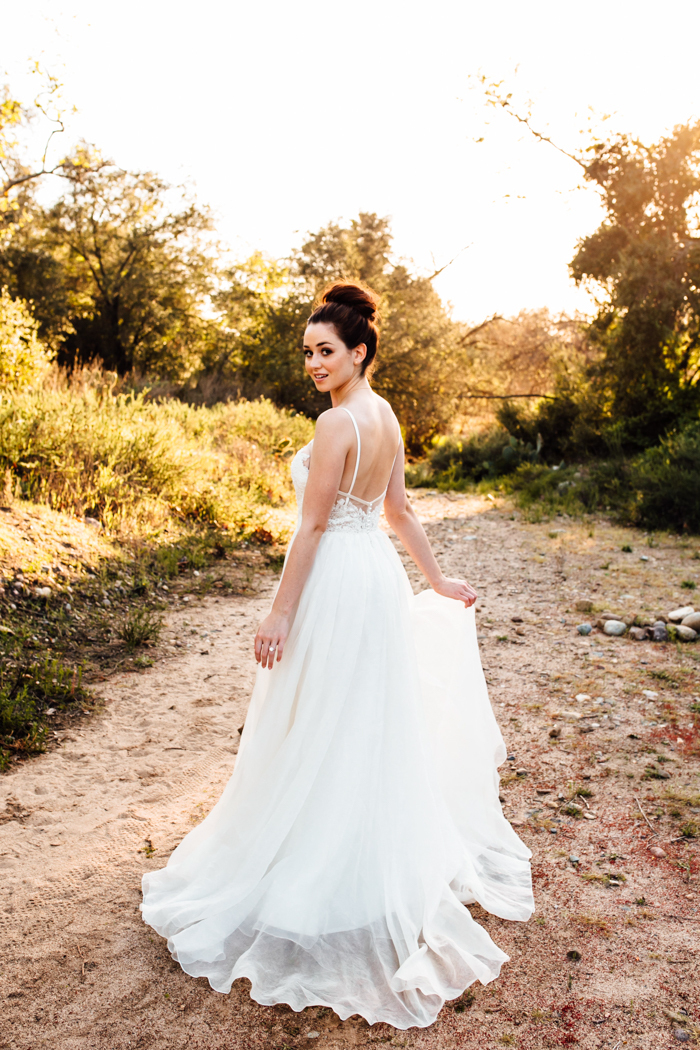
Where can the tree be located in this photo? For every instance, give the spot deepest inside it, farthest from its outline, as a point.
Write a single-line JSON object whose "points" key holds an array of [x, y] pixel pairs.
{"points": [[644, 264], [19, 171], [420, 361], [115, 273], [645, 257]]}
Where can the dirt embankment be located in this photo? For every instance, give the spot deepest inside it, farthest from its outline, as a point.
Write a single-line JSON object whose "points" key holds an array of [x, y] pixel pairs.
{"points": [[603, 784]]}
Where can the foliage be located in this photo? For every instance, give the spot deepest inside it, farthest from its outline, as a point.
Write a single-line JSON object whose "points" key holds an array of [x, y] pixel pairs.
{"points": [[645, 258], [23, 358], [19, 169], [136, 464], [141, 626], [114, 272], [420, 361], [28, 690], [456, 462], [666, 480]]}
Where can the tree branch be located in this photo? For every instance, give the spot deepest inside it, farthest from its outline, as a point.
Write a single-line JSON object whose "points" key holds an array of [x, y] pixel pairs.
{"points": [[505, 397], [443, 268]]}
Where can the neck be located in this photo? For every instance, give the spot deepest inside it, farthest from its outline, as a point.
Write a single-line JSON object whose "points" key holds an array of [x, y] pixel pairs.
{"points": [[342, 393]]}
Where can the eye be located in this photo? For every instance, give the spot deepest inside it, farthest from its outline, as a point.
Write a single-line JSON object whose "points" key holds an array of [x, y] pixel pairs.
{"points": [[326, 351]]}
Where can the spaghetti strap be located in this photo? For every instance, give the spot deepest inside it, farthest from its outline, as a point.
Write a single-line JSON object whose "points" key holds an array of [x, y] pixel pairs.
{"points": [[348, 494]]}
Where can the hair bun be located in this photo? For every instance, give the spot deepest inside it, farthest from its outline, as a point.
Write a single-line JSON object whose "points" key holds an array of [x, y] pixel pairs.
{"points": [[362, 300]]}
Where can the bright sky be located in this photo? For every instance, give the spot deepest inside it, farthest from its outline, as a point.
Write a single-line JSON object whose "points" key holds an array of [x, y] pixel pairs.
{"points": [[285, 116]]}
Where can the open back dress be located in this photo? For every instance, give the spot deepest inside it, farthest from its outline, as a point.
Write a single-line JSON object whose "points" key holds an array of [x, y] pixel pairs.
{"points": [[363, 814]]}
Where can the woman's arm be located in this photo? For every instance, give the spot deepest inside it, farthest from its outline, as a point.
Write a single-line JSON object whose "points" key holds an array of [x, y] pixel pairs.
{"points": [[403, 520], [333, 440]]}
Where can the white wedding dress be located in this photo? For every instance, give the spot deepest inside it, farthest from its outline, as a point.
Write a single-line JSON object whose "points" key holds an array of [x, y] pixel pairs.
{"points": [[363, 812]]}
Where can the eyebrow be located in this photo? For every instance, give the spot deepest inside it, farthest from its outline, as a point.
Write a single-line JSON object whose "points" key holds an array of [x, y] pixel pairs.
{"points": [[324, 342]]}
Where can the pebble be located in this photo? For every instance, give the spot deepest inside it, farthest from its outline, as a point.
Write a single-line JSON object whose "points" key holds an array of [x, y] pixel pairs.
{"points": [[656, 851], [680, 614], [686, 634], [649, 694], [574, 860], [312, 1035], [584, 605], [681, 1035], [42, 592], [644, 557], [614, 627], [693, 620], [589, 816], [92, 521], [584, 628], [639, 634], [581, 697]]}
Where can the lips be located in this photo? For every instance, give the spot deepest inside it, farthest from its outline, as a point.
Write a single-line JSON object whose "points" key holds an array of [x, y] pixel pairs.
{"points": [[321, 377]]}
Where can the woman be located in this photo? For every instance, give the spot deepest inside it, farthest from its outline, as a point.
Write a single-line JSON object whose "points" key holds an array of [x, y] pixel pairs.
{"points": [[363, 812]]}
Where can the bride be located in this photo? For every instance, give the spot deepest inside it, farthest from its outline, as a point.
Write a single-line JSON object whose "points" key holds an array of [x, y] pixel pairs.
{"points": [[363, 813]]}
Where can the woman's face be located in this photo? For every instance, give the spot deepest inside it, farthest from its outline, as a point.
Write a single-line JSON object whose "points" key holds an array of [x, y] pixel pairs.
{"points": [[329, 362]]}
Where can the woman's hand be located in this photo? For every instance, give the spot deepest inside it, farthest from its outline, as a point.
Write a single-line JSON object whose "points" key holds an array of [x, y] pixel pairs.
{"points": [[270, 639], [460, 590]]}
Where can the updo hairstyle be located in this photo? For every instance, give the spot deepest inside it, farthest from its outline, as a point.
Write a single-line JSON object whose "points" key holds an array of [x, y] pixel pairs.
{"points": [[352, 310]]}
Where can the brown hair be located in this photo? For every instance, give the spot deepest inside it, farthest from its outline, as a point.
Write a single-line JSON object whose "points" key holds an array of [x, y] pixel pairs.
{"points": [[352, 310]]}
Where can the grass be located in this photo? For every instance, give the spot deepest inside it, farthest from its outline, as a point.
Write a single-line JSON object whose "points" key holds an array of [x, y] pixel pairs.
{"points": [[172, 490], [31, 692], [138, 466], [140, 627]]}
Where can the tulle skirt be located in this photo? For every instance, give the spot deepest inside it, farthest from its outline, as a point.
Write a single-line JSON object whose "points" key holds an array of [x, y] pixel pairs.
{"points": [[363, 812]]}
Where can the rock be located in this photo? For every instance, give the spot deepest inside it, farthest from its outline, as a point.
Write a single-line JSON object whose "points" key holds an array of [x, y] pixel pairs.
{"points": [[42, 592], [686, 634], [584, 605], [589, 816], [657, 851], [649, 694], [516, 619], [603, 619], [680, 614], [581, 697], [313, 1035], [693, 620], [639, 634], [93, 522], [574, 860], [681, 1035], [554, 733], [584, 628], [659, 633], [614, 627]]}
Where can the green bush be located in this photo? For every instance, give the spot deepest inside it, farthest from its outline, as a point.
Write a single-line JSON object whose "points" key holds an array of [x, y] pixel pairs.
{"points": [[23, 358], [456, 462], [136, 464], [28, 690], [666, 481]]}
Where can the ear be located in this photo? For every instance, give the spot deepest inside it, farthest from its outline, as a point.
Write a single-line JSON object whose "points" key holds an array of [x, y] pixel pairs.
{"points": [[360, 353]]}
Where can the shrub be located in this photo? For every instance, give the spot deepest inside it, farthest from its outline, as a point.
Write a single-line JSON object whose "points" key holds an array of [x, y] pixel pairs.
{"points": [[136, 464], [23, 358], [455, 461], [666, 480]]}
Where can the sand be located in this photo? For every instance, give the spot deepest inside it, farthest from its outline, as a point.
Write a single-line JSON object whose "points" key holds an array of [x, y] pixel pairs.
{"points": [[81, 824]]}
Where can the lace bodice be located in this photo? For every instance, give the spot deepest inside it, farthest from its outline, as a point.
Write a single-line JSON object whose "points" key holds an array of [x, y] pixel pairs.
{"points": [[347, 515], [350, 513]]}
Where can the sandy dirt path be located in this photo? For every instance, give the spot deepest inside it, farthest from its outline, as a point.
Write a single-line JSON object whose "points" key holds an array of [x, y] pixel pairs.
{"points": [[610, 959]]}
